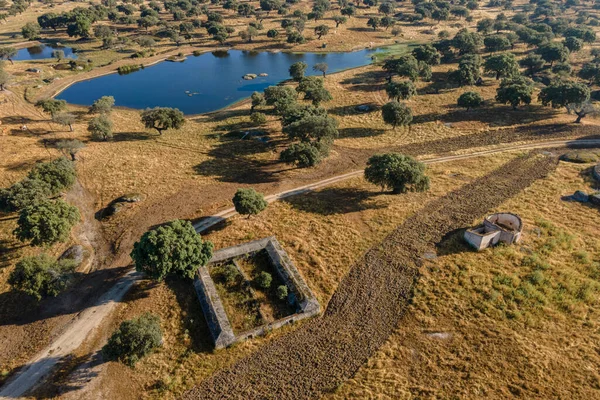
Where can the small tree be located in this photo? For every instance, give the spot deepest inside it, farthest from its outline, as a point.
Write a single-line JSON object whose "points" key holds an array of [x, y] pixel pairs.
{"points": [[553, 52], [52, 106], [41, 276], [249, 202], [427, 54], [400, 90], [494, 43], [470, 100], [272, 33], [103, 105], [533, 62], [65, 119], [321, 67], [406, 66], [70, 147], [31, 31], [171, 249], [4, 77], [162, 118], [297, 70], [101, 127], [60, 174], [282, 292], [58, 54], [281, 97], [374, 22], [398, 172], [7, 53], [23, 194], [395, 114], [46, 222], [339, 20], [258, 99], [302, 154], [321, 30], [134, 340], [258, 118], [573, 44], [574, 96], [516, 90], [503, 65], [264, 280], [312, 128]]}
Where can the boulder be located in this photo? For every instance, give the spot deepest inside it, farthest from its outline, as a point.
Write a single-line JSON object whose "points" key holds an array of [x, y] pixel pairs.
{"points": [[131, 198], [114, 208], [249, 77], [595, 199], [596, 172], [581, 156], [363, 108], [263, 74], [75, 253], [580, 196]]}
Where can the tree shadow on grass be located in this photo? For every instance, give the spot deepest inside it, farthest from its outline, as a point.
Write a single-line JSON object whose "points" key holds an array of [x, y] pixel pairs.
{"points": [[353, 110], [132, 136], [17, 308], [493, 115], [194, 324], [453, 243], [333, 201], [367, 81], [359, 132], [9, 252], [232, 160], [587, 175]]}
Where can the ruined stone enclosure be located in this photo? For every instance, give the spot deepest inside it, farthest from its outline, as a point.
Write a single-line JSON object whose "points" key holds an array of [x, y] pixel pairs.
{"points": [[496, 228], [235, 308]]}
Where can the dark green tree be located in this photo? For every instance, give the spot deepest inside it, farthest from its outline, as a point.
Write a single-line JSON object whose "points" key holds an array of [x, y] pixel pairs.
{"points": [[400, 90], [395, 114], [297, 70], [553, 52], [249, 202], [503, 65], [60, 174], [427, 54], [467, 42], [52, 106], [494, 43], [321, 67], [397, 172], [41, 276], [31, 31], [134, 339], [46, 222], [533, 62], [281, 97], [162, 118], [258, 99], [470, 100], [101, 127], [311, 128], [171, 249], [302, 154], [573, 44], [406, 66], [514, 91], [23, 194], [574, 96]]}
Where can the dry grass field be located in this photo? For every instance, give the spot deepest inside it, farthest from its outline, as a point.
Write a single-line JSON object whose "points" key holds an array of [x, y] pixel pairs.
{"points": [[507, 321]]}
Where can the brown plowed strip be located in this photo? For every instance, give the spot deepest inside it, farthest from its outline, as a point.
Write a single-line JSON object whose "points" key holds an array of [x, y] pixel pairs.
{"points": [[369, 302]]}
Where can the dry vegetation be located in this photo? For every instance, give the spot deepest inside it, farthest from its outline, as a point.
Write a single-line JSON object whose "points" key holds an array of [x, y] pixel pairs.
{"points": [[507, 321]]}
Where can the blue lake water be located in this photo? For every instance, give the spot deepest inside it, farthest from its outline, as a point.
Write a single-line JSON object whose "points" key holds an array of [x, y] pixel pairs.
{"points": [[41, 52], [214, 80]]}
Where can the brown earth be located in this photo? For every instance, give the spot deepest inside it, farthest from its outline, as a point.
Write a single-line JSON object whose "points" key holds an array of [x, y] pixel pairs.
{"points": [[370, 301]]}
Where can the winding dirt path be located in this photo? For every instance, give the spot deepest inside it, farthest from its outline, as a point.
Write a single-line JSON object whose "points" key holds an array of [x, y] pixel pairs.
{"points": [[80, 328]]}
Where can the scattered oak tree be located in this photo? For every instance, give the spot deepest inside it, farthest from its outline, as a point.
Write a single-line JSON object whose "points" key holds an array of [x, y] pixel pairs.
{"points": [[59, 174], [514, 91], [503, 65], [46, 222], [574, 96], [171, 249], [65, 119], [41, 276], [397, 172], [70, 147], [52, 106], [297, 70], [22, 194], [395, 114], [103, 105], [101, 127], [134, 339], [470, 100], [400, 90], [249, 202], [162, 118]]}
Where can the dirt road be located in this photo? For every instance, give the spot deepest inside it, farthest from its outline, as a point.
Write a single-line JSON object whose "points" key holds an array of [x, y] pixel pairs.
{"points": [[81, 327], [369, 302]]}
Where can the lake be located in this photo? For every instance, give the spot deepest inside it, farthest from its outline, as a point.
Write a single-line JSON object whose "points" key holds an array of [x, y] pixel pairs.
{"points": [[206, 82], [41, 52]]}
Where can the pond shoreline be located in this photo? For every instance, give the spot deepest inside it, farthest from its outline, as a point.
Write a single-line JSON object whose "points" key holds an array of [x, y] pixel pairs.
{"points": [[61, 86]]}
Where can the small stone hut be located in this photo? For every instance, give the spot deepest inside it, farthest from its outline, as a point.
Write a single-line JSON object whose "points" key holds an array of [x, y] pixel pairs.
{"points": [[499, 227]]}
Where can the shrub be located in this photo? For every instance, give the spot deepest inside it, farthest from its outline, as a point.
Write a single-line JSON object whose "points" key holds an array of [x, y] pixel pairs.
{"points": [[258, 118], [282, 292], [128, 69], [103, 105], [23, 194], [395, 114], [470, 100], [41, 276], [231, 274], [264, 280], [174, 248], [249, 202], [101, 128], [134, 339], [162, 118], [302, 154], [396, 171], [60, 174], [46, 222]]}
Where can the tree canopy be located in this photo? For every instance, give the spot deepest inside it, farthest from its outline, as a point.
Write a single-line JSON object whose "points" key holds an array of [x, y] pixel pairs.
{"points": [[397, 172], [162, 118], [395, 114], [514, 91], [59, 174], [46, 222], [249, 202], [134, 339], [172, 249], [470, 100], [41, 276]]}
